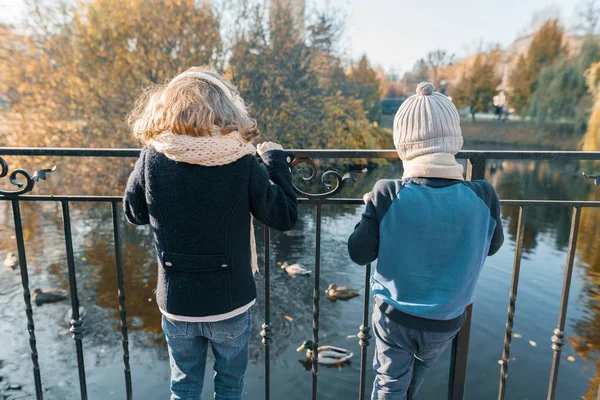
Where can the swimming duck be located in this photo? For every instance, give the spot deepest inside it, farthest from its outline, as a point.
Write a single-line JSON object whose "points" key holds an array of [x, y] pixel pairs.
{"points": [[11, 261], [328, 355], [295, 269], [47, 296], [335, 292]]}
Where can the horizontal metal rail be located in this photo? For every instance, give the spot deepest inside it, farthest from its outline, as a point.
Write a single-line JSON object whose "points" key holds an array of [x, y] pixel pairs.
{"points": [[335, 200], [315, 154]]}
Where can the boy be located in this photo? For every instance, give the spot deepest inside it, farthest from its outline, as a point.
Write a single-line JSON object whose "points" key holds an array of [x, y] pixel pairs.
{"points": [[431, 232]]}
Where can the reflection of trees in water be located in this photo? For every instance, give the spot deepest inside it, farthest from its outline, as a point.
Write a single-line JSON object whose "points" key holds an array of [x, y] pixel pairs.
{"points": [[139, 272], [586, 341], [517, 180], [536, 180]]}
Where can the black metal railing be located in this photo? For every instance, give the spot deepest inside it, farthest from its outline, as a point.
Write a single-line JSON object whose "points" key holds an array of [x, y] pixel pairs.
{"points": [[334, 182]]}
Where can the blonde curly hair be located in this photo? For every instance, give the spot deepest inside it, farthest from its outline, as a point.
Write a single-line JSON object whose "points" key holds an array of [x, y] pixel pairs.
{"points": [[193, 107]]}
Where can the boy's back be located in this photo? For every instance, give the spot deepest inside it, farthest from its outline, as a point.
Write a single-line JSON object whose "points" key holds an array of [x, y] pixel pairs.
{"points": [[431, 237], [431, 233]]}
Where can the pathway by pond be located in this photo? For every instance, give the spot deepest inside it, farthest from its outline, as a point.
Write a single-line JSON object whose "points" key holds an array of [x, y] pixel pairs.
{"points": [[546, 239]]}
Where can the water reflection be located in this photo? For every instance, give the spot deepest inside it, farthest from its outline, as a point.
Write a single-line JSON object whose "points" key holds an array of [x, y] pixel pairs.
{"points": [[547, 229], [587, 329]]}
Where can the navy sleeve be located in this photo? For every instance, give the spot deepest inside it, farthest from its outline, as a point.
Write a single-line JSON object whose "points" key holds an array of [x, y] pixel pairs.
{"points": [[498, 237], [134, 200], [363, 244], [486, 192], [272, 198]]}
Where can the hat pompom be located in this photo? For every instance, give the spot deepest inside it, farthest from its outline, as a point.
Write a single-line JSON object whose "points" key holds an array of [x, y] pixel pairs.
{"points": [[425, 89]]}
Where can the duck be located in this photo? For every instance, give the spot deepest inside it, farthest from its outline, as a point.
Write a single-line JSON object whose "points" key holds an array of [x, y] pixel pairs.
{"points": [[11, 261], [295, 269], [328, 355], [335, 292], [47, 296]]}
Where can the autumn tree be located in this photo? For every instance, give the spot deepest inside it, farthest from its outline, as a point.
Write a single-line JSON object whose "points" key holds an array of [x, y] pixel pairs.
{"points": [[390, 84], [591, 140], [478, 83], [82, 65], [364, 84], [275, 70], [562, 92], [546, 46], [76, 68], [437, 60], [419, 73]]}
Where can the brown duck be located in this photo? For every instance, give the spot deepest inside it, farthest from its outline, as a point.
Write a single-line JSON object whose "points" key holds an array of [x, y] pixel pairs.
{"points": [[46, 296], [335, 292]]}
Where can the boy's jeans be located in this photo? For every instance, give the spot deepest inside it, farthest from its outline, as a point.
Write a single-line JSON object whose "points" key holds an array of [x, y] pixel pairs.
{"points": [[402, 356], [188, 344]]}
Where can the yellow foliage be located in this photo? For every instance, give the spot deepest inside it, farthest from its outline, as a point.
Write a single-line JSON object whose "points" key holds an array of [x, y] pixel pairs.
{"points": [[591, 140], [92, 66]]}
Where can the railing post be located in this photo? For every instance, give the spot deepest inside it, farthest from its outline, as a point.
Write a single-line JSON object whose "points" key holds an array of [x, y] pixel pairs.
{"points": [[364, 334], [77, 327], [316, 298], [559, 337], [27, 297], [460, 345], [266, 331], [512, 304], [121, 293]]}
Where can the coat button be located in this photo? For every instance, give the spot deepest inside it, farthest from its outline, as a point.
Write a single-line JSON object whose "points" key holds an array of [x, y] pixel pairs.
{"points": [[169, 264], [289, 160], [224, 265]]}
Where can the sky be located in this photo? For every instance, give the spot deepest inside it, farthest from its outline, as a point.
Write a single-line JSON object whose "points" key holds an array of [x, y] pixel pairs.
{"points": [[396, 33]]}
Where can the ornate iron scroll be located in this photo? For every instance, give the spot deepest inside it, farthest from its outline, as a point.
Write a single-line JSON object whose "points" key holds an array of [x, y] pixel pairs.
{"points": [[39, 175], [332, 180]]}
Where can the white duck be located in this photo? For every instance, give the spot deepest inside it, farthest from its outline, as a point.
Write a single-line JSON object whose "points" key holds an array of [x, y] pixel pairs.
{"points": [[295, 269], [11, 261], [328, 355]]}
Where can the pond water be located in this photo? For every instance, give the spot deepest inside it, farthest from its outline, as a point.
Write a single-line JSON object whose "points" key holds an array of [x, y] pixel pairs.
{"points": [[545, 241]]}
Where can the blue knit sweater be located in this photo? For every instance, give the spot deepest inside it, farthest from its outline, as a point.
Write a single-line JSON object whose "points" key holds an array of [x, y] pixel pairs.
{"points": [[431, 238]]}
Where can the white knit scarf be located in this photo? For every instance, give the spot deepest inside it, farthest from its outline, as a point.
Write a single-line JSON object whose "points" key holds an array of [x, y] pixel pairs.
{"points": [[208, 151], [435, 165]]}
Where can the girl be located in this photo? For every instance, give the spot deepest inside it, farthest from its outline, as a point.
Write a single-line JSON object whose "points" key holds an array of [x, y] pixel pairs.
{"points": [[197, 182]]}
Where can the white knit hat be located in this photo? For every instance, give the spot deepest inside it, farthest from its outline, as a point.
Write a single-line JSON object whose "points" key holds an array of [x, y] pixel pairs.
{"points": [[426, 123]]}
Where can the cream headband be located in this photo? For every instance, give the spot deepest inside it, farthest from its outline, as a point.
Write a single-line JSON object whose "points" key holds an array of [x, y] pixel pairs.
{"points": [[236, 100]]}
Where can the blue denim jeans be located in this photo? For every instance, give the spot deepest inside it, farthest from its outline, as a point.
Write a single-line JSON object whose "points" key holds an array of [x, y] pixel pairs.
{"points": [[188, 345], [402, 357]]}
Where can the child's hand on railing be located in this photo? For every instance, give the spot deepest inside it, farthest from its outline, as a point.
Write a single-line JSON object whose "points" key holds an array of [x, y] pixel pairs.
{"points": [[366, 197], [262, 148]]}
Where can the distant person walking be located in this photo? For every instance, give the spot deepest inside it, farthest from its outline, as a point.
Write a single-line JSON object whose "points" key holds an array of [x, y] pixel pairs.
{"points": [[500, 107], [431, 232]]}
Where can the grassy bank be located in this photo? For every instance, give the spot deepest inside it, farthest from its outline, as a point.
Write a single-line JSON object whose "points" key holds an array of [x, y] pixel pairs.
{"points": [[513, 135]]}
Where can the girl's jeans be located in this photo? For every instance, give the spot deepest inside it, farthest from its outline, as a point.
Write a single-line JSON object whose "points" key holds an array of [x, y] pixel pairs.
{"points": [[402, 357], [188, 344]]}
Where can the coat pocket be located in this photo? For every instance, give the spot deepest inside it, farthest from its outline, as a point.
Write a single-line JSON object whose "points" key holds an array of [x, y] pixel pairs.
{"points": [[198, 285]]}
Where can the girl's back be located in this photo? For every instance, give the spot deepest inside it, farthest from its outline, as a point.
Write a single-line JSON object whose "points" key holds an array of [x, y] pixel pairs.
{"points": [[199, 184]]}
